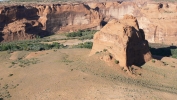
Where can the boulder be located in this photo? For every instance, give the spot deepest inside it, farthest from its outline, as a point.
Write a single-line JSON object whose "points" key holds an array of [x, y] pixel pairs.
{"points": [[124, 40]]}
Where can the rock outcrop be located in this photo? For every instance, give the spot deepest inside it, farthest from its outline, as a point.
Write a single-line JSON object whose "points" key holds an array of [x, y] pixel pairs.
{"points": [[124, 40], [158, 20], [19, 23], [25, 22]]}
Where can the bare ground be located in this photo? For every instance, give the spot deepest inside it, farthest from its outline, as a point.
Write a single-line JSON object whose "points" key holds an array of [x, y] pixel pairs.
{"points": [[70, 74]]}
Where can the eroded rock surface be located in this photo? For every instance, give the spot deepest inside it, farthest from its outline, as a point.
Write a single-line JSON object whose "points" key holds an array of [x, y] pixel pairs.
{"points": [[25, 22], [158, 20], [124, 40]]}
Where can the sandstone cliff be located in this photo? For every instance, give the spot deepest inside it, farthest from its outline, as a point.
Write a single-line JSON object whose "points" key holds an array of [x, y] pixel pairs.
{"points": [[158, 20], [25, 22], [18, 22], [124, 40]]}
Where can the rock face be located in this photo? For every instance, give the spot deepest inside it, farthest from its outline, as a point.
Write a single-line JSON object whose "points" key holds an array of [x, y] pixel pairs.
{"points": [[124, 40], [159, 21], [25, 22], [17, 22]]}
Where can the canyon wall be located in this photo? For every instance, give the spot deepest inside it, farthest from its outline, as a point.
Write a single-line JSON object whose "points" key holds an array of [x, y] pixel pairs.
{"points": [[25, 22], [17, 22], [159, 22]]}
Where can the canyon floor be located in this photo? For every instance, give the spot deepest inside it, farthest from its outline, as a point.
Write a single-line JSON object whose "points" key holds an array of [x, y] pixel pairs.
{"points": [[71, 74]]}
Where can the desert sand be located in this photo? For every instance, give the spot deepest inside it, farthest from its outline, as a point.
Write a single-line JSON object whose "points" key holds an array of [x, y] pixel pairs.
{"points": [[69, 74]]}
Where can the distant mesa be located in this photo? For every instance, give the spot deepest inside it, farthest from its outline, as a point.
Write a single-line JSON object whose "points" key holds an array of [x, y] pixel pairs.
{"points": [[124, 40]]}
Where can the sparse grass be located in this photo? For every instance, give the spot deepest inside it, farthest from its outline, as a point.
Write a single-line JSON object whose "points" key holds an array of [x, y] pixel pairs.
{"points": [[66, 59], [4, 93], [24, 63]]}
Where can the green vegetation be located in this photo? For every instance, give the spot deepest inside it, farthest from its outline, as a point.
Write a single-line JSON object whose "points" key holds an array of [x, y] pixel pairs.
{"points": [[116, 62], [163, 50], [165, 64], [29, 45], [174, 53], [24, 62], [104, 50], [11, 75], [153, 60], [84, 45], [82, 34]]}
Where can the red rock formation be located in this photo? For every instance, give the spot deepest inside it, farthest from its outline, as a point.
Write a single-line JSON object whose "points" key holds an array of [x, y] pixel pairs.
{"points": [[19, 22], [124, 40], [158, 20], [25, 22]]}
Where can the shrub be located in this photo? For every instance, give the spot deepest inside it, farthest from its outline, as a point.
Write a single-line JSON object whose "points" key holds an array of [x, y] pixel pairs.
{"points": [[116, 62], [82, 34], [11, 75], [97, 52], [29, 45], [84, 45], [153, 60], [104, 50]]}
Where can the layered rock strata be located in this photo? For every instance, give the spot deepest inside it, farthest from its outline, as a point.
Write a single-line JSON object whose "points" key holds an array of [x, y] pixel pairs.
{"points": [[158, 20]]}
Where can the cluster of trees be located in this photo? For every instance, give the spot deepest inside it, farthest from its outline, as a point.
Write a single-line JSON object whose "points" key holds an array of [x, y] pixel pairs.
{"points": [[30, 45], [82, 34], [84, 45]]}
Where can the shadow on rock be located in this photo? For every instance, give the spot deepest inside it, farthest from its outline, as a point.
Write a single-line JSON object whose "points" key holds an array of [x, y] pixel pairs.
{"points": [[159, 53], [1, 39]]}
